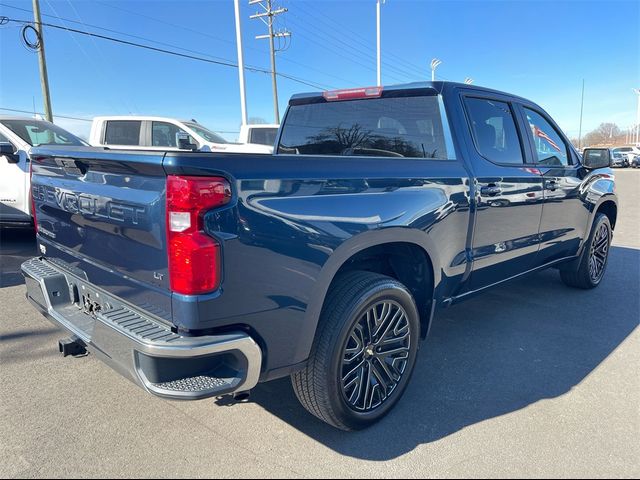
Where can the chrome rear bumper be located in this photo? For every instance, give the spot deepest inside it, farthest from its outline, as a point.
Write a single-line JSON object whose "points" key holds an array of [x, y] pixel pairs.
{"points": [[139, 346]]}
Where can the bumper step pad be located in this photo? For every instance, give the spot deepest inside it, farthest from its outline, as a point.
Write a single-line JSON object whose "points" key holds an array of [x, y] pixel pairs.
{"points": [[201, 383]]}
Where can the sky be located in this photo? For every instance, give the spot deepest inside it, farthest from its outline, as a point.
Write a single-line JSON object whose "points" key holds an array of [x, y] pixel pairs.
{"points": [[541, 50]]}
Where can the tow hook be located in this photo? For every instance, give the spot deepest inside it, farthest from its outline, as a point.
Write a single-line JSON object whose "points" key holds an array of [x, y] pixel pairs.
{"points": [[72, 346]]}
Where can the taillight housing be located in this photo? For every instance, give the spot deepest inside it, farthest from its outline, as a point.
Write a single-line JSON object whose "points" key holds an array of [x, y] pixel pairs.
{"points": [[194, 257], [33, 202]]}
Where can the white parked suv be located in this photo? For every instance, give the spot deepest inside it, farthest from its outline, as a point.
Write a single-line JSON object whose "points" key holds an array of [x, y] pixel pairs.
{"points": [[161, 133], [17, 136]]}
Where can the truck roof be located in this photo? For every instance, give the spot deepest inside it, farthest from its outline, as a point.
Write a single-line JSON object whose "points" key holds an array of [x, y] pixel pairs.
{"points": [[427, 87], [141, 117]]}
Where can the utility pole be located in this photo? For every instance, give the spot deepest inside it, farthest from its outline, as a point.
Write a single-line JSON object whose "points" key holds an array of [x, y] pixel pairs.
{"points": [[267, 18], [243, 100], [44, 78], [581, 110]]}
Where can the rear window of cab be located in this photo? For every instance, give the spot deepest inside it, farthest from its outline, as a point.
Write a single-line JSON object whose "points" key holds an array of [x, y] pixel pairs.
{"points": [[411, 126]]}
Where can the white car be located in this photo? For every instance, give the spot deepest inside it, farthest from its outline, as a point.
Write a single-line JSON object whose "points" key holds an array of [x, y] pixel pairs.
{"points": [[263, 134], [162, 133], [17, 136], [629, 152]]}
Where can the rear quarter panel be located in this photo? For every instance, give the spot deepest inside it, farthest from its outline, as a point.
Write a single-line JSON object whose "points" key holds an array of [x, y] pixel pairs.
{"points": [[294, 220]]}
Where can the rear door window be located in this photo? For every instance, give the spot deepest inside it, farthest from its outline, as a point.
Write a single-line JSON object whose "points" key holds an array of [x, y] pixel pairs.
{"points": [[263, 136], [384, 127], [122, 132], [549, 147], [494, 130]]}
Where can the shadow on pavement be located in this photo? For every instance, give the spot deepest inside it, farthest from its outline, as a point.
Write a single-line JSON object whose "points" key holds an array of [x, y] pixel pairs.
{"points": [[26, 334], [16, 246], [506, 349]]}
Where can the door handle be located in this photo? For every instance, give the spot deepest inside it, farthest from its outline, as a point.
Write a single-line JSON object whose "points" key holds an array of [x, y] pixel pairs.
{"points": [[551, 185], [490, 190]]}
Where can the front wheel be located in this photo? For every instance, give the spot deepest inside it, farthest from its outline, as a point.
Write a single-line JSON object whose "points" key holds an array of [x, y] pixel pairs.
{"points": [[595, 255], [364, 351]]}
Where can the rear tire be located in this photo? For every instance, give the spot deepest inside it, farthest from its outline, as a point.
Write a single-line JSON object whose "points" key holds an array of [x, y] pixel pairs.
{"points": [[364, 351], [593, 261]]}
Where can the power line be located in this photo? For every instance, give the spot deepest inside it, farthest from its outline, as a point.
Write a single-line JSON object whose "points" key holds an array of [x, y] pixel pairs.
{"points": [[181, 27], [204, 34], [40, 113], [103, 65], [222, 62], [339, 50], [343, 48], [350, 35]]}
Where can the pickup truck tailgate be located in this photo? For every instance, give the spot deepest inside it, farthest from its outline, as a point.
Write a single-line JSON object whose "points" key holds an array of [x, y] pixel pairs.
{"points": [[103, 219]]}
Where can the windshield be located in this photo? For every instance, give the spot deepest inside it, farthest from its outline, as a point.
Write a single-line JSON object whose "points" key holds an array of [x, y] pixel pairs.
{"points": [[385, 127], [38, 132], [205, 133]]}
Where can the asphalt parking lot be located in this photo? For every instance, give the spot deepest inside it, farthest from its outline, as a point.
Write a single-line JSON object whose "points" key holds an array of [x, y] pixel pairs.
{"points": [[534, 379]]}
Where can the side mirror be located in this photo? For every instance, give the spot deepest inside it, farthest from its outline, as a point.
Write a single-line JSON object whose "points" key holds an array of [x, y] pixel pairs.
{"points": [[593, 158], [7, 150], [183, 140]]}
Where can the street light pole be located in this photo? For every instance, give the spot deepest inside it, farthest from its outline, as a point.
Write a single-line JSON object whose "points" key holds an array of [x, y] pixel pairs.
{"points": [[434, 64], [243, 101], [378, 53], [581, 110], [637, 92]]}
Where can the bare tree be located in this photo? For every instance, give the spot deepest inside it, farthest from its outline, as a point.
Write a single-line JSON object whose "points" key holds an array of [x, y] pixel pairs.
{"points": [[256, 121], [606, 134]]}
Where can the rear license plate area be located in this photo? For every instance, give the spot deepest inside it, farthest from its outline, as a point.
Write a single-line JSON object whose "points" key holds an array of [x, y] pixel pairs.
{"points": [[89, 301]]}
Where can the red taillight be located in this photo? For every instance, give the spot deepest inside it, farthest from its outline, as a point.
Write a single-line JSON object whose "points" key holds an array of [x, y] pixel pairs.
{"points": [[33, 202], [194, 256], [352, 94]]}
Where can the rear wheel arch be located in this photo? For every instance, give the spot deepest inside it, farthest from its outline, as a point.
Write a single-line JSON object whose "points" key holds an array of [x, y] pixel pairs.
{"points": [[405, 262], [348, 255], [610, 208]]}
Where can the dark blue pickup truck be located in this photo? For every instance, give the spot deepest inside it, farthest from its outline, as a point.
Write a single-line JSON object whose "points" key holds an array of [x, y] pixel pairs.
{"points": [[200, 274]]}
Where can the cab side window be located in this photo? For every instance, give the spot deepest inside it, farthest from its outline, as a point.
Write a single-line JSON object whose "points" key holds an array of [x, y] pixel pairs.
{"points": [[494, 130], [163, 134], [549, 146], [122, 132]]}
